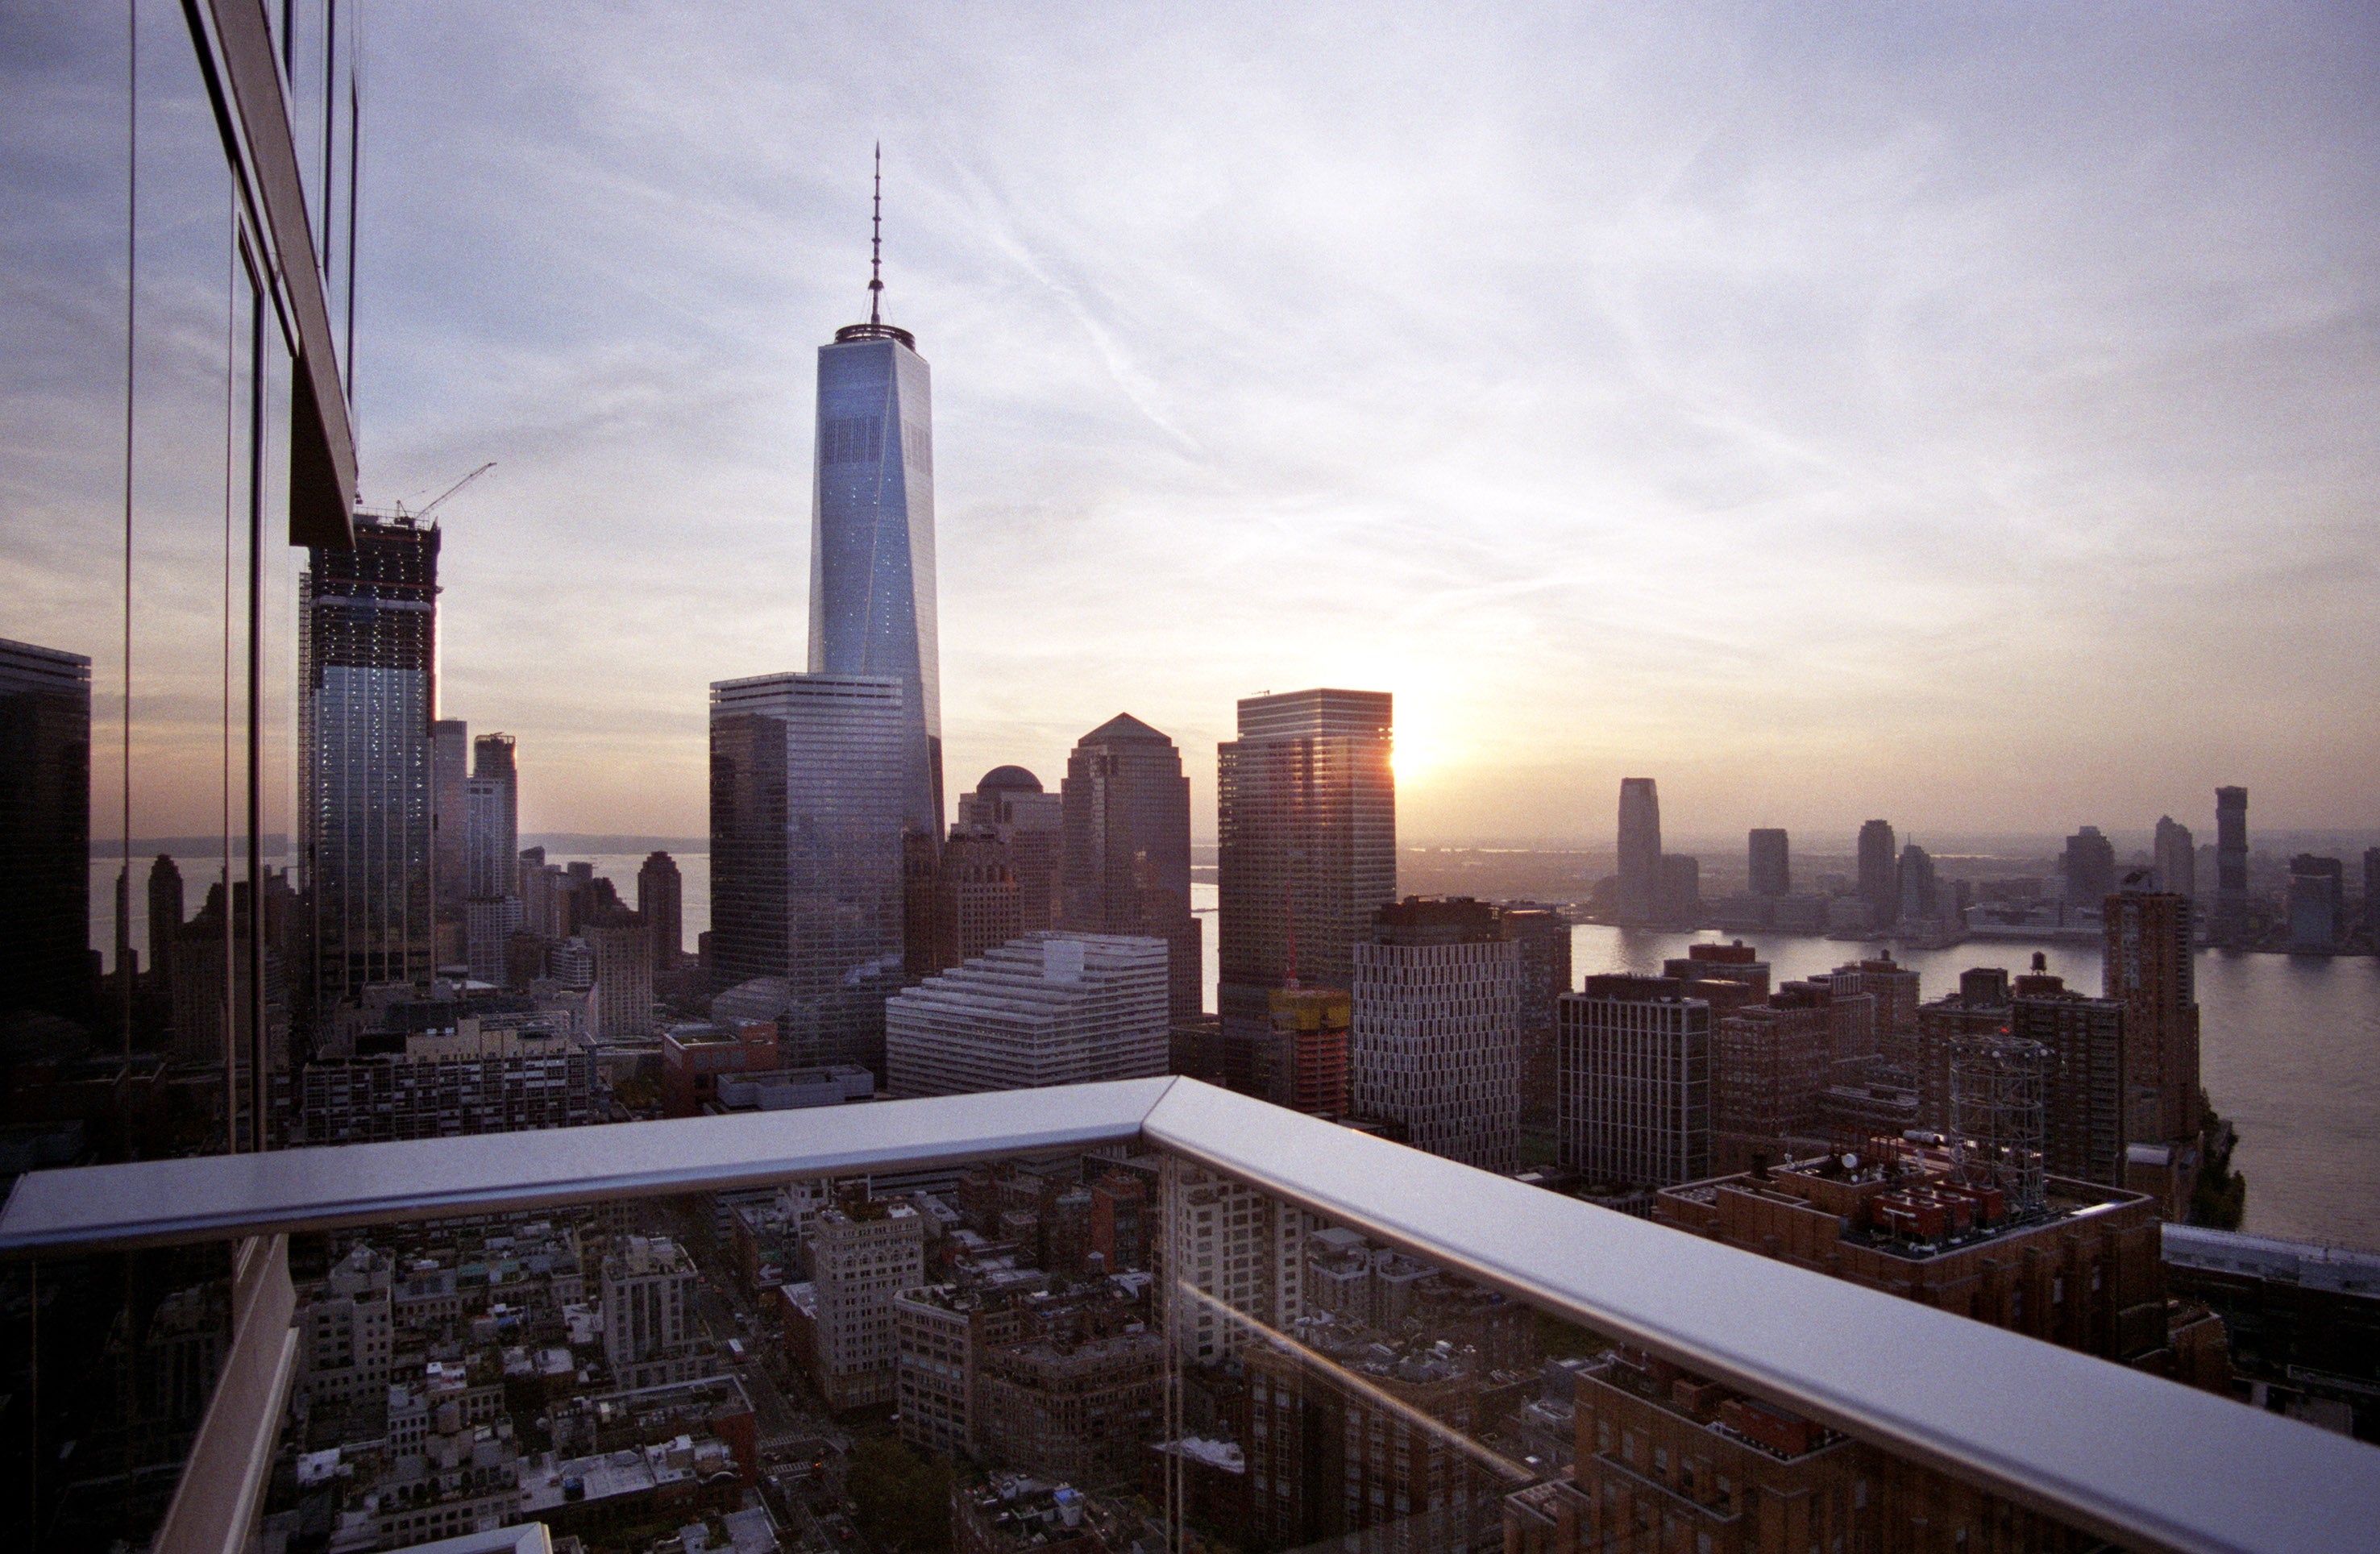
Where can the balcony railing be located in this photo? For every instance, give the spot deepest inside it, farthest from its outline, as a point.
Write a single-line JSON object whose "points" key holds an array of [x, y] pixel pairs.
{"points": [[2126, 1456]]}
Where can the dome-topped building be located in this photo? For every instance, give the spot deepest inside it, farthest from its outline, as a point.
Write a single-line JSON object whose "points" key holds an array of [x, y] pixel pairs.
{"points": [[1011, 801], [1008, 779]]}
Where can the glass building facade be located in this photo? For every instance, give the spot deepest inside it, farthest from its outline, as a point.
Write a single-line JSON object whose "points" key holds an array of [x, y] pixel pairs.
{"points": [[872, 540], [1126, 807], [1306, 827], [806, 819], [370, 657]]}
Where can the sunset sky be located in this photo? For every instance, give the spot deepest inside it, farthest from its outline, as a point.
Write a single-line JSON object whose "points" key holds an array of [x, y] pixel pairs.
{"points": [[1966, 414]]}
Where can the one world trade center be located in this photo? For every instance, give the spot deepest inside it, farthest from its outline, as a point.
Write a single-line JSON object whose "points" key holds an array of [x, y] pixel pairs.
{"points": [[872, 536]]}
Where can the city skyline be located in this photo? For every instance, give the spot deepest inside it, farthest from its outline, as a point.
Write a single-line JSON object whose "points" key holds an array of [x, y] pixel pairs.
{"points": [[1350, 411]]}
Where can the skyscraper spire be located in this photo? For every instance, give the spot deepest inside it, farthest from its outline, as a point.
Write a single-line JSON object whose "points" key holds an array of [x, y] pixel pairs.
{"points": [[876, 242]]}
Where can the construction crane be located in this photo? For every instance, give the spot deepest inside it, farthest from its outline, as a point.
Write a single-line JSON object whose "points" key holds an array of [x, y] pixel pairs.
{"points": [[445, 494]]}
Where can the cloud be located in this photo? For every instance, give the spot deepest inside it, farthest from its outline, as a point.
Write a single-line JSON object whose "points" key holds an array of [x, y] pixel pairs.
{"points": [[1963, 416]]}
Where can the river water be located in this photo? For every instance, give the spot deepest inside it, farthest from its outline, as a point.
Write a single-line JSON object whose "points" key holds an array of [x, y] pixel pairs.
{"points": [[2289, 1048]]}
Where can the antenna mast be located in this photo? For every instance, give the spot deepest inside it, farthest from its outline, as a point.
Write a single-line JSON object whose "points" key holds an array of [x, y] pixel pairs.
{"points": [[876, 242]]}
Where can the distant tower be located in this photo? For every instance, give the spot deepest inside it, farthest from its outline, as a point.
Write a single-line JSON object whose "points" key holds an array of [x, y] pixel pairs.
{"points": [[45, 831], [2176, 857], [872, 608], [661, 901], [1772, 863], [368, 666], [2317, 904], [450, 769], [1127, 836], [2090, 867], [491, 799], [1307, 810], [1919, 892], [1640, 849], [2232, 867], [166, 912], [1879, 872]]}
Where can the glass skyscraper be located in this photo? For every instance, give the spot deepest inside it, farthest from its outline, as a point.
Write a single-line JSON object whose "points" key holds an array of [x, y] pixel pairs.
{"points": [[872, 540], [1306, 827], [808, 811], [367, 663]]}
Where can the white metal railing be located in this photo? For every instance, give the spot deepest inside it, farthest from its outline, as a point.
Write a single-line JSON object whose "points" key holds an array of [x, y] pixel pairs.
{"points": [[2130, 1457]]}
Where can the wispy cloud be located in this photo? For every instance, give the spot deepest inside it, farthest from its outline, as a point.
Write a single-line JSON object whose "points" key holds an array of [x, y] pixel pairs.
{"points": [[1963, 414]]}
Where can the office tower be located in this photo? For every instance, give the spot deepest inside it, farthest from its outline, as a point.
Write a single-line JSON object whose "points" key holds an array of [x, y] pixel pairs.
{"points": [[1678, 897], [2232, 867], [1434, 1044], [623, 1004], [1010, 799], [1126, 809], [2176, 857], [649, 1332], [1879, 872], [806, 818], [863, 1253], [1640, 849], [872, 611], [1920, 896], [165, 921], [1306, 809], [1546, 974], [2317, 904], [966, 902], [491, 903], [2147, 968], [1308, 1057], [661, 904], [492, 805], [450, 769], [2089, 867], [2084, 1137], [1635, 1064], [368, 652], [44, 832], [1056, 1009], [1772, 863]]}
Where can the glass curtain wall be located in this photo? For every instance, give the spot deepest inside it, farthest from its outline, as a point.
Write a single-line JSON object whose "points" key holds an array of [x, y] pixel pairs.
{"points": [[145, 457]]}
